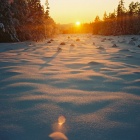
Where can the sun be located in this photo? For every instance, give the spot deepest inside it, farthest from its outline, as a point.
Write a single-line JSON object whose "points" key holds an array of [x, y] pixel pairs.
{"points": [[78, 23]]}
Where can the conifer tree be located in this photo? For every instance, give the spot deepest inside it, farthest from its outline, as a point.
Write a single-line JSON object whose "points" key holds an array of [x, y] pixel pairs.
{"points": [[96, 25], [120, 17], [24, 20], [6, 19], [21, 13], [122, 21]]}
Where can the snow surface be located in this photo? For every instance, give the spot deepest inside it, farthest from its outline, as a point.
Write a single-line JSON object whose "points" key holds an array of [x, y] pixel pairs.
{"points": [[94, 81]]}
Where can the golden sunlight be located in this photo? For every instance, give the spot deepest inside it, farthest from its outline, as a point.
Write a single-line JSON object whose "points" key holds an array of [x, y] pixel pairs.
{"points": [[78, 23]]}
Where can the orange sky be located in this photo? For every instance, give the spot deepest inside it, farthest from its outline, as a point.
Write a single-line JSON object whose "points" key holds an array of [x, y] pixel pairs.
{"points": [[70, 11]]}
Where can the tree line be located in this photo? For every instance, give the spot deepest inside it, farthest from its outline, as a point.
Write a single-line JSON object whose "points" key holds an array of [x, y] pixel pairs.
{"points": [[22, 20], [121, 21]]}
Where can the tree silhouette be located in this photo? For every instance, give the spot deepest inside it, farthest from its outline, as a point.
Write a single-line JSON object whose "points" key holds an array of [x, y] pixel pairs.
{"points": [[122, 21], [24, 20]]}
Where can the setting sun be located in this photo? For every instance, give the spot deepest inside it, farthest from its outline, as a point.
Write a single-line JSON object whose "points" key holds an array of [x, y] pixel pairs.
{"points": [[78, 23]]}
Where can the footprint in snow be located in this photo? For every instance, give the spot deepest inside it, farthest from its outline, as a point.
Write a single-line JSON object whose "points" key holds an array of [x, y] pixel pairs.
{"points": [[72, 45], [77, 39], [62, 43], [49, 42], [59, 49], [100, 48], [131, 42], [114, 46]]}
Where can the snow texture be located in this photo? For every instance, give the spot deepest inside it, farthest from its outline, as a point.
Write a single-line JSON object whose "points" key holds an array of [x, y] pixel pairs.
{"points": [[94, 84]]}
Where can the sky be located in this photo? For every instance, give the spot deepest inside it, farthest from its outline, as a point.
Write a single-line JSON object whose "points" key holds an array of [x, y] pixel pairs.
{"points": [[85, 11]]}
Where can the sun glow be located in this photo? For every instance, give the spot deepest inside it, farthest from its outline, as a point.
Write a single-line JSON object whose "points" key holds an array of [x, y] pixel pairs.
{"points": [[78, 23]]}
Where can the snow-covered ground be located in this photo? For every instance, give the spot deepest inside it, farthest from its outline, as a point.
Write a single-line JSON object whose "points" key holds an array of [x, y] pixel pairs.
{"points": [[93, 82]]}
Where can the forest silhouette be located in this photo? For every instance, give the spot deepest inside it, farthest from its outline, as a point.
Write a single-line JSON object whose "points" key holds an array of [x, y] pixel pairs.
{"points": [[28, 20]]}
